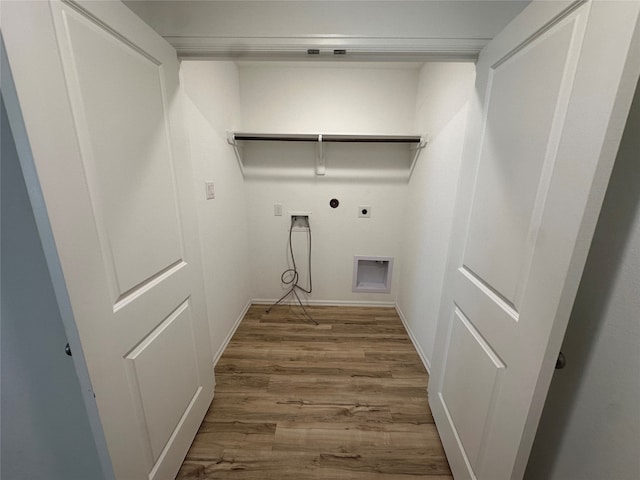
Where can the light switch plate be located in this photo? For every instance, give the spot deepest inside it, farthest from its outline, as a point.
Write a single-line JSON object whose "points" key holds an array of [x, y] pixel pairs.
{"points": [[211, 194], [277, 209]]}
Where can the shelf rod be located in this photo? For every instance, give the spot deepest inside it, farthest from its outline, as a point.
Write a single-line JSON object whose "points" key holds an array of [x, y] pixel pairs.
{"points": [[372, 138], [233, 139], [274, 137], [270, 137]]}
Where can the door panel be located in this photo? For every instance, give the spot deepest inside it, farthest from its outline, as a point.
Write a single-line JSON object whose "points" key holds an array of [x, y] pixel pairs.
{"points": [[104, 124], [480, 377], [515, 154], [537, 156], [124, 136], [160, 361]]}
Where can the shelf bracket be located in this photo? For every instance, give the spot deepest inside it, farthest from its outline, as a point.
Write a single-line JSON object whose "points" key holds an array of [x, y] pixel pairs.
{"points": [[320, 157], [231, 140], [419, 147]]}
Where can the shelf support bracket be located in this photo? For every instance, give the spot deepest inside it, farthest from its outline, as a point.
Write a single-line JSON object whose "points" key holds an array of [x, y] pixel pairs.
{"points": [[231, 140], [419, 147], [320, 157]]}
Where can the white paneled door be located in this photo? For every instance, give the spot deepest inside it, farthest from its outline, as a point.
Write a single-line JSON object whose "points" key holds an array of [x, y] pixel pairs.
{"points": [[552, 93], [98, 91]]}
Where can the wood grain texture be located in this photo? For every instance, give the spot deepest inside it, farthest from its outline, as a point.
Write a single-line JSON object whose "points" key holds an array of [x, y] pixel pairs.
{"points": [[343, 400]]}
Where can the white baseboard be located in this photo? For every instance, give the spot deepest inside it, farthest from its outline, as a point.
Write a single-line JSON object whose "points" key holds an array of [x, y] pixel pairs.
{"points": [[423, 357], [328, 303], [227, 339]]}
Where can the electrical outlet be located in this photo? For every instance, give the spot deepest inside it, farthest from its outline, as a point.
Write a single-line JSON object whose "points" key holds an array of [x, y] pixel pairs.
{"points": [[211, 194], [364, 211], [277, 209]]}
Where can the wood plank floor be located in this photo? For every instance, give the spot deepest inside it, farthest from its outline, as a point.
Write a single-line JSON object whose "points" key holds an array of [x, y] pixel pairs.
{"points": [[342, 400]]}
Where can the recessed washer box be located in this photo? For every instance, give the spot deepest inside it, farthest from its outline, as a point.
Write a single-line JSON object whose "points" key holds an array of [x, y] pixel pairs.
{"points": [[299, 221], [372, 274]]}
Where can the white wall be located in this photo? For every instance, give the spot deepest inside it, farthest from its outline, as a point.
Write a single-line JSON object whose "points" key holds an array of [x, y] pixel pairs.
{"points": [[328, 97], [441, 112], [212, 106], [590, 426], [337, 234], [45, 426], [300, 98]]}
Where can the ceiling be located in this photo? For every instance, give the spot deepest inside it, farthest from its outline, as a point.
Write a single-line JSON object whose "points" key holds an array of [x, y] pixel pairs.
{"points": [[401, 30]]}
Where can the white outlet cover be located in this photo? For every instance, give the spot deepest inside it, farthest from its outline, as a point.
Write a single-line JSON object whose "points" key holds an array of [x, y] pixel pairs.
{"points": [[211, 194], [364, 211]]}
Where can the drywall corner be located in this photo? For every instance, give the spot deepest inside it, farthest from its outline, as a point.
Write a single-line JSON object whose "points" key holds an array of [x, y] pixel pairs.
{"points": [[211, 108], [441, 114]]}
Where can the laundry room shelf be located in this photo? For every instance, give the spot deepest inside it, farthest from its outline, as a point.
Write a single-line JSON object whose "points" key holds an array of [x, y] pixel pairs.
{"points": [[415, 142]]}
